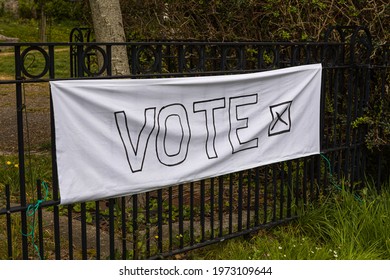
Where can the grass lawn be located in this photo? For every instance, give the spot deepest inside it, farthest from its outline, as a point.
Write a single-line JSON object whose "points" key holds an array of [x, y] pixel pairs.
{"points": [[27, 30]]}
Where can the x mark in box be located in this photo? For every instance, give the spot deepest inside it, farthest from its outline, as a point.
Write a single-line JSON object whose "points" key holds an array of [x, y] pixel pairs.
{"points": [[281, 119]]}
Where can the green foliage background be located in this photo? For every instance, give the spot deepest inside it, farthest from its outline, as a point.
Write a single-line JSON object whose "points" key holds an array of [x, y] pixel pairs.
{"points": [[262, 20], [55, 9]]}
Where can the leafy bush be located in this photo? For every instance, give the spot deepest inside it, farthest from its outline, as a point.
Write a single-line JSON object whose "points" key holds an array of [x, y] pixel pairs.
{"points": [[265, 20]]}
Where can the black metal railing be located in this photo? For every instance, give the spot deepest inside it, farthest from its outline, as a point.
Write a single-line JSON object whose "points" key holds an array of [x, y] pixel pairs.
{"points": [[180, 218]]}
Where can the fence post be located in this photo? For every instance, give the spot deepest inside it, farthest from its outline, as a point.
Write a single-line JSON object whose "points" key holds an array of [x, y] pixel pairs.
{"points": [[22, 174]]}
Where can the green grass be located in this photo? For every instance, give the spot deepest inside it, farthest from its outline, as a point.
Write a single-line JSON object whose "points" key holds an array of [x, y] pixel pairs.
{"points": [[343, 227], [27, 30]]}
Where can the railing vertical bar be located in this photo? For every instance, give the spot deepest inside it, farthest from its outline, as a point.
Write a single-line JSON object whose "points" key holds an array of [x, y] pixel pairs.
{"points": [[22, 173], [220, 205], [192, 216], [147, 223], [83, 222], [257, 197], [70, 230], [202, 58], [108, 58], [56, 213], [289, 187], [274, 192], [248, 203], [8, 217], [356, 100], [223, 58], [336, 105], [51, 62], [160, 220], [170, 218], [135, 227], [212, 208], [239, 206], [363, 130], [111, 204], [124, 229], [73, 61], [318, 173], [40, 223], [339, 169], [56, 218], [181, 218], [80, 61], [159, 58], [304, 182], [181, 59], [325, 175], [231, 178], [311, 178], [348, 124], [134, 60], [169, 58], [322, 109], [297, 184], [281, 210], [202, 209], [265, 203], [97, 230]]}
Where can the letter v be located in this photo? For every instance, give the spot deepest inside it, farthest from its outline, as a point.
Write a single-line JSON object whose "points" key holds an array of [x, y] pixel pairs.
{"points": [[136, 155]]}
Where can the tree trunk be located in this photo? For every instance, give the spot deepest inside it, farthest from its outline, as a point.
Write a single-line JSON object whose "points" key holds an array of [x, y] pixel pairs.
{"points": [[108, 27]]}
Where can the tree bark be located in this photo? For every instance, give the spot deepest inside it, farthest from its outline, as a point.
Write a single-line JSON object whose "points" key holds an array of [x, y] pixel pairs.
{"points": [[108, 27]]}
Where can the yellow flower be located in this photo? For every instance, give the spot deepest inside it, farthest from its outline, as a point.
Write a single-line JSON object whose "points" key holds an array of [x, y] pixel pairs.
{"points": [[8, 163], [16, 165]]}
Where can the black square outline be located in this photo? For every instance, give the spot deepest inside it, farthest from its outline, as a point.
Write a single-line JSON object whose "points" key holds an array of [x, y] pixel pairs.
{"points": [[273, 122]]}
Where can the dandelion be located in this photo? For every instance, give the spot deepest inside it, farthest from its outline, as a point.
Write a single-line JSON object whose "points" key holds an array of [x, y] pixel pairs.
{"points": [[280, 248], [8, 163], [156, 236], [16, 165]]}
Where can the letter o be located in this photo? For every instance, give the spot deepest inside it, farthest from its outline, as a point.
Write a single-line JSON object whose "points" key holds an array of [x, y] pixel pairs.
{"points": [[173, 135]]}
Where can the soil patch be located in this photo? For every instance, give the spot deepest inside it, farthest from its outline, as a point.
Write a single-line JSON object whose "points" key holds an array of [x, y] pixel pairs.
{"points": [[36, 117]]}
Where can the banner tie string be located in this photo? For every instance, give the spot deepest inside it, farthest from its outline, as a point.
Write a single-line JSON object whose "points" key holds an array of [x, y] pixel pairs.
{"points": [[332, 180], [31, 210]]}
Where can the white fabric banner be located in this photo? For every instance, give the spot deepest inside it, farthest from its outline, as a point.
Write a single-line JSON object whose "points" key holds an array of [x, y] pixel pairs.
{"points": [[121, 137]]}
